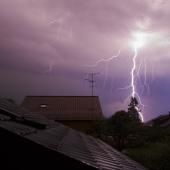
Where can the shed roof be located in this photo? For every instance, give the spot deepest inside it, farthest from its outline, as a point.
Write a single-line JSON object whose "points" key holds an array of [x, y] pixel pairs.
{"points": [[64, 140], [65, 107]]}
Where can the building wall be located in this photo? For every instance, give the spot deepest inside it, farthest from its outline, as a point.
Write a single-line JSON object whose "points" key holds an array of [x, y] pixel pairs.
{"points": [[87, 126]]}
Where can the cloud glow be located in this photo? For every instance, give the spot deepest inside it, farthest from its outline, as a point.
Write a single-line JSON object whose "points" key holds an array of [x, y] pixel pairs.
{"points": [[140, 39]]}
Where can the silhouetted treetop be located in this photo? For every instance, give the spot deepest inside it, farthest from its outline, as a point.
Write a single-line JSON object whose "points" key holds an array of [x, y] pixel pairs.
{"points": [[133, 109]]}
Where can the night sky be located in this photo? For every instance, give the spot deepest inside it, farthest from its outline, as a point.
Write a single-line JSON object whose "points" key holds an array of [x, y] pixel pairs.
{"points": [[48, 47]]}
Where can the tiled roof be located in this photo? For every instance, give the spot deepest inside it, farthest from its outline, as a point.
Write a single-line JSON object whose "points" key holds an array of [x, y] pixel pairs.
{"points": [[10, 110], [71, 143], [65, 107]]}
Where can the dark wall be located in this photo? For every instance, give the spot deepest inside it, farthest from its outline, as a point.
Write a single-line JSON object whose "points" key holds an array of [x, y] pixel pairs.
{"points": [[81, 125]]}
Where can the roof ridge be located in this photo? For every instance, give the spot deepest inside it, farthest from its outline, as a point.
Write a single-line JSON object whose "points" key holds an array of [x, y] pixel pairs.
{"points": [[57, 96]]}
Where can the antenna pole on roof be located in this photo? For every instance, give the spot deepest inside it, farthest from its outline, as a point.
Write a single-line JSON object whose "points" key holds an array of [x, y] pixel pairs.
{"points": [[91, 81]]}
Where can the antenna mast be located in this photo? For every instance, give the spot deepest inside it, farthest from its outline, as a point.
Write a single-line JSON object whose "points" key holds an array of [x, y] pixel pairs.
{"points": [[92, 81]]}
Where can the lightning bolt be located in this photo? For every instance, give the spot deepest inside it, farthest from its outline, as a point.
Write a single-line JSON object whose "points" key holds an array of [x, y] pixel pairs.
{"points": [[139, 40], [133, 75], [133, 86], [133, 94]]}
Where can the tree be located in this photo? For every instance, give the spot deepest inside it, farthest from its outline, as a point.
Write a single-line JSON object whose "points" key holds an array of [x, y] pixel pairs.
{"points": [[118, 127], [134, 110], [123, 128]]}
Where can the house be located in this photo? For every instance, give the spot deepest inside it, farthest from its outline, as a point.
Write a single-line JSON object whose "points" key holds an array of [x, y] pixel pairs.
{"points": [[161, 121], [78, 112], [30, 141]]}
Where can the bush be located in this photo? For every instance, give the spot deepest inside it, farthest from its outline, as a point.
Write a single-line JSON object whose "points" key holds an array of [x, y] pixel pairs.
{"points": [[153, 156]]}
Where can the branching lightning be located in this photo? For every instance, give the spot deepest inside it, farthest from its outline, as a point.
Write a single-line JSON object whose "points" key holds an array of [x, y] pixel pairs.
{"points": [[139, 40], [132, 85], [105, 60]]}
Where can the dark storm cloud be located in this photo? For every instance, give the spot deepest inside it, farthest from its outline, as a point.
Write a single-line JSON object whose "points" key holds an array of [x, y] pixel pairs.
{"points": [[46, 27]]}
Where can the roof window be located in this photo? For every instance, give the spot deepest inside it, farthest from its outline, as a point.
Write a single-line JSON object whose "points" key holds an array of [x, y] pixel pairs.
{"points": [[43, 106]]}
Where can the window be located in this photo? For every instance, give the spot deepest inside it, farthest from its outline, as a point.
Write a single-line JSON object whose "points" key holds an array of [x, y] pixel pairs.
{"points": [[43, 106]]}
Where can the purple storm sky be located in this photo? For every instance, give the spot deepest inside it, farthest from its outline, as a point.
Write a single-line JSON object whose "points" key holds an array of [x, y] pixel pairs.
{"points": [[48, 46]]}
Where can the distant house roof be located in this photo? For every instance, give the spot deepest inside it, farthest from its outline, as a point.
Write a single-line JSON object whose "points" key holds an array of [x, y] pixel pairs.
{"points": [[65, 107], [162, 121], [87, 150]]}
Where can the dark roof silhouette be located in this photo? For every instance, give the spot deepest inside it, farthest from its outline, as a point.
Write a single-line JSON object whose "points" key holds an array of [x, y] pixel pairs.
{"points": [[65, 107], [162, 121], [77, 149]]}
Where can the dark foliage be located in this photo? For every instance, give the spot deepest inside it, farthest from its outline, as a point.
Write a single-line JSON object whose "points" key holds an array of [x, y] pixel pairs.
{"points": [[123, 128]]}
